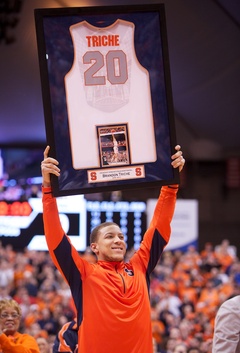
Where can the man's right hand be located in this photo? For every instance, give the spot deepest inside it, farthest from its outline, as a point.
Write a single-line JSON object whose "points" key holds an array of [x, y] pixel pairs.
{"points": [[48, 166]]}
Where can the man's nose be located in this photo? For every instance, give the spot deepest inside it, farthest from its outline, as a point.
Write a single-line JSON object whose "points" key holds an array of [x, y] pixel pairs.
{"points": [[117, 239]]}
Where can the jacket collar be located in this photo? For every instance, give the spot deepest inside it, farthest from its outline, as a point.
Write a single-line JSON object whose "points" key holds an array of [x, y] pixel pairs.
{"points": [[111, 265]]}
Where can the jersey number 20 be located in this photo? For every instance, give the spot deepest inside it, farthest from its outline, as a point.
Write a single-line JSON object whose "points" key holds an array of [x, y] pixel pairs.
{"points": [[116, 67]]}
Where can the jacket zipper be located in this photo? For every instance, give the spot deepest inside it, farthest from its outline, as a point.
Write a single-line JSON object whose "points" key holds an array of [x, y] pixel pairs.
{"points": [[124, 285]]}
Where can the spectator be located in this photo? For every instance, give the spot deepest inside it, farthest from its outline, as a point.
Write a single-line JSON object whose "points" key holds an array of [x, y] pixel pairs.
{"points": [[225, 247], [208, 300], [43, 345], [158, 328], [47, 322], [6, 273], [10, 339], [208, 257], [180, 348], [155, 346], [170, 302], [225, 254], [227, 327], [4, 293], [194, 323], [67, 338], [206, 346]]}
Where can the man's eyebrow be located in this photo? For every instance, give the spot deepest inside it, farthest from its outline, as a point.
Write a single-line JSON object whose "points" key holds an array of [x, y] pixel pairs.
{"points": [[109, 233], [112, 232]]}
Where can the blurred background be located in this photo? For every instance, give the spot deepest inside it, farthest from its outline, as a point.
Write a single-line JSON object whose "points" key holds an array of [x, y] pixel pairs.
{"points": [[204, 51]]}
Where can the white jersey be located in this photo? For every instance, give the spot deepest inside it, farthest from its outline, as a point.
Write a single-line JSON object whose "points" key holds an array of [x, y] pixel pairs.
{"points": [[107, 86]]}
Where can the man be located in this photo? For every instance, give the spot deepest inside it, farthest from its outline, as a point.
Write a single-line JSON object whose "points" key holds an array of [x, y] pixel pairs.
{"points": [[111, 296], [66, 340], [226, 338]]}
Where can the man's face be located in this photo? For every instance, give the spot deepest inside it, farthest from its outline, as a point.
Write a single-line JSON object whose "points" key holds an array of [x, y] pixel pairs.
{"points": [[110, 245]]}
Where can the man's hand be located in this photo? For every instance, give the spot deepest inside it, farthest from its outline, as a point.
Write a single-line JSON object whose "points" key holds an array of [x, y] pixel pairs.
{"points": [[49, 166], [178, 160]]}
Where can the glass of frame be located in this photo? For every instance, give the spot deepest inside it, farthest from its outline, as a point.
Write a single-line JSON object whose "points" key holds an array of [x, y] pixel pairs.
{"points": [[107, 97]]}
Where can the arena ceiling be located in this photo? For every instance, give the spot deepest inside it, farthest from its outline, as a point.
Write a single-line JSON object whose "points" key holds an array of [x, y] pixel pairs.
{"points": [[204, 52]]}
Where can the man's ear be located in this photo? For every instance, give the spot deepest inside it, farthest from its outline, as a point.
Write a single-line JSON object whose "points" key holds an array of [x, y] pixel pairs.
{"points": [[94, 248]]}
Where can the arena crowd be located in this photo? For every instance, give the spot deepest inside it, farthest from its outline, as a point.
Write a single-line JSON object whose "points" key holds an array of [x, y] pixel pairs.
{"points": [[186, 290]]}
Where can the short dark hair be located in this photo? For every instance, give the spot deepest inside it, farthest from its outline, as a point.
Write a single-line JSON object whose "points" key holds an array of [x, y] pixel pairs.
{"points": [[95, 231]]}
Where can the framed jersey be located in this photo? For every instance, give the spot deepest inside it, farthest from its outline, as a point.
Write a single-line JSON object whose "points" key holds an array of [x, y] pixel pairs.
{"points": [[107, 96]]}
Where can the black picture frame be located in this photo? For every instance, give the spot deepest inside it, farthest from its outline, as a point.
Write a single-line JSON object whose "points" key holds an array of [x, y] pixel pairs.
{"points": [[107, 97]]}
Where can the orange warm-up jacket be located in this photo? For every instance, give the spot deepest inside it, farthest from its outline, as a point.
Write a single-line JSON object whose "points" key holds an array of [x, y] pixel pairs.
{"points": [[18, 343], [111, 298]]}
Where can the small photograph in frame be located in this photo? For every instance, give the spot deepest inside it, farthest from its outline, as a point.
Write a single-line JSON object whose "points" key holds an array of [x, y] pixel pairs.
{"points": [[107, 97], [113, 146]]}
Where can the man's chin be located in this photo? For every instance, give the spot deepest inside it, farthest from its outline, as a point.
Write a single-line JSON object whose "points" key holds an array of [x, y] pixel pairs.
{"points": [[117, 258]]}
